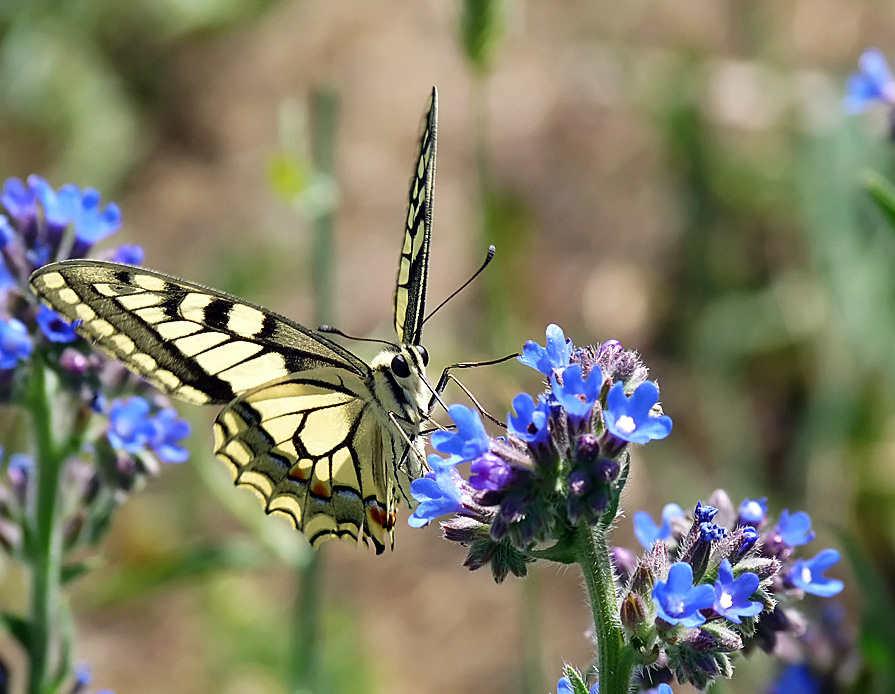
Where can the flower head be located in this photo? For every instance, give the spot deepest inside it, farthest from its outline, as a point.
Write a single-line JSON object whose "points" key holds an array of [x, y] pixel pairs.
{"points": [[69, 205], [167, 430], [753, 511], [872, 83], [54, 326], [129, 254], [15, 343], [796, 679], [19, 200], [808, 574], [438, 492], [577, 394], [490, 472], [530, 421], [647, 532], [468, 441], [795, 529], [732, 594], [130, 426], [630, 418], [548, 359], [678, 601]]}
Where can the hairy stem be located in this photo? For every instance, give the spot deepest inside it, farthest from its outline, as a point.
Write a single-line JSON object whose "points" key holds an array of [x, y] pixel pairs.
{"points": [[615, 660]]}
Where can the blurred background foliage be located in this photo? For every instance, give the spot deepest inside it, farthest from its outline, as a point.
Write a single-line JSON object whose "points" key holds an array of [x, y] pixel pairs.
{"points": [[680, 176]]}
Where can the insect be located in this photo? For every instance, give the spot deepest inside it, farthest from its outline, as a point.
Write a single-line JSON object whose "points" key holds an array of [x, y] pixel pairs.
{"points": [[326, 439]]}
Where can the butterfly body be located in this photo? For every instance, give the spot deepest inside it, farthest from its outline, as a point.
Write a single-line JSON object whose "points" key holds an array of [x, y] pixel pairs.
{"points": [[324, 438]]}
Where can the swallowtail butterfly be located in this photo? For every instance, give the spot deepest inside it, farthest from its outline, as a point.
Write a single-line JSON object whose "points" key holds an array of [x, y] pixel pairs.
{"points": [[326, 439]]}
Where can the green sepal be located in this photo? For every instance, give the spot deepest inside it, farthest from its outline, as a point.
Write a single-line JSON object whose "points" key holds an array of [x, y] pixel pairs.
{"points": [[579, 686]]}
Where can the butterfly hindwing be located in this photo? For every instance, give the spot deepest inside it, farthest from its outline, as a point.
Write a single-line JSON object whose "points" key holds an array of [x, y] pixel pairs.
{"points": [[314, 446], [410, 291], [193, 343]]}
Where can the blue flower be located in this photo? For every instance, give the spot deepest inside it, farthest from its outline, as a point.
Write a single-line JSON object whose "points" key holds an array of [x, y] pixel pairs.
{"points": [[795, 529], [130, 426], [795, 679], [732, 594], [704, 513], [753, 511], [530, 422], [661, 689], [678, 601], [470, 440], [808, 574], [629, 418], [15, 343], [54, 326], [648, 532], [70, 206], [576, 394], [20, 201], [7, 232], [83, 676], [490, 473], [438, 493], [556, 355], [167, 430], [873, 82], [129, 254]]}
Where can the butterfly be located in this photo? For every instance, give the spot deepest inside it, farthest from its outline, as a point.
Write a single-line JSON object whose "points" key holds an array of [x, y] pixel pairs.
{"points": [[324, 438]]}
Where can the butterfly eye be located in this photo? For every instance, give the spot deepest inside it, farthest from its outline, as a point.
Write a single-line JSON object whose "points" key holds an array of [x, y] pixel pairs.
{"points": [[424, 355], [400, 367]]}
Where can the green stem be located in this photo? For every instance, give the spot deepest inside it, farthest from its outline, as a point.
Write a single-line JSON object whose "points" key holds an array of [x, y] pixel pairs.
{"points": [[306, 628], [45, 542], [305, 665], [615, 660]]}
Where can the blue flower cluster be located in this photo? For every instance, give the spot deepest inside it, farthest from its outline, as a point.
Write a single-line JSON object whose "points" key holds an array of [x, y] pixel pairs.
{"points": [[719, 582], [42, 225], [559, 462]]}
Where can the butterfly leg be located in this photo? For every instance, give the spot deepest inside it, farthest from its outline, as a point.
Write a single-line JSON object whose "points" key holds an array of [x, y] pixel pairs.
{"points": [[447, 376]]}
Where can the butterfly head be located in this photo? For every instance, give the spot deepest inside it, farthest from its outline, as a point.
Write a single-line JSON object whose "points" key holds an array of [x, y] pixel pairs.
{"points": [[406, 364]]}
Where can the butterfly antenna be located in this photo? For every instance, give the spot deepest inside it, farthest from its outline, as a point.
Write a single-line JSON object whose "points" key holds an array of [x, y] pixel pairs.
{"points": [[330, 330], [488, 258]]}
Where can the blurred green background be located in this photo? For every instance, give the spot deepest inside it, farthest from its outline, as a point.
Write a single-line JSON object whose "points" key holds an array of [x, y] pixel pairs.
{"points": [[676, 175]]}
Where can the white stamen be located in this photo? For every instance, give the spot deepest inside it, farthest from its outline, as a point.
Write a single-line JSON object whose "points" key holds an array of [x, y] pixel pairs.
{"points": [[806, 574], [625, 424], [725, 601]]}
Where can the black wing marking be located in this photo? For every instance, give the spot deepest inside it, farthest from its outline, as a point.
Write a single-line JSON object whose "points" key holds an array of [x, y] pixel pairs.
{"points": [[194, 343]]}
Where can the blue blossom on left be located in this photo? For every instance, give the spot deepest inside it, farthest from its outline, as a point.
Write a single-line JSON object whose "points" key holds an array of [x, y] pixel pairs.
{"points": [[84, 455]]}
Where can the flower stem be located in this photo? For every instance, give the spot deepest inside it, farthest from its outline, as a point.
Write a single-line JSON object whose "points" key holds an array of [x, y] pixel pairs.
{"points": [[614, 658], [44, 547]]}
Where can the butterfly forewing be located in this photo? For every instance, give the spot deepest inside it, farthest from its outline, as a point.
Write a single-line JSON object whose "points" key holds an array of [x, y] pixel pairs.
{"points": [[410, 290], [194, 343]]}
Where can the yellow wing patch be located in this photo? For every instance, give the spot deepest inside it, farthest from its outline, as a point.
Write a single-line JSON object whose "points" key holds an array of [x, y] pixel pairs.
{"points": [[314, 448]]}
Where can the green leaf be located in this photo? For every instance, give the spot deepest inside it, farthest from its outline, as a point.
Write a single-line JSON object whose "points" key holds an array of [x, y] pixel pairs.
{"points": [[883, 194], [16, 627], [72, 571]]}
